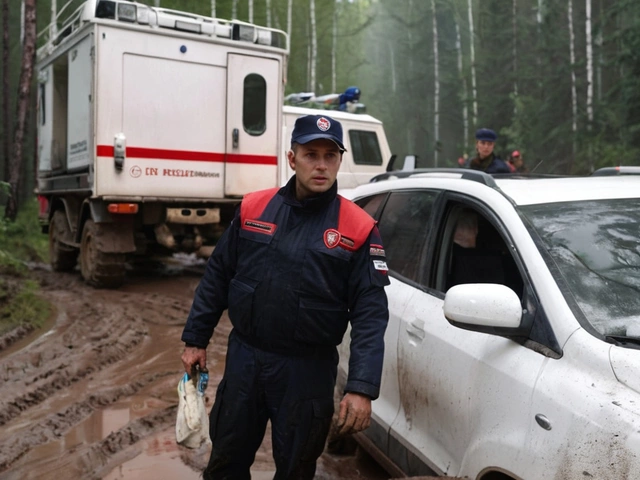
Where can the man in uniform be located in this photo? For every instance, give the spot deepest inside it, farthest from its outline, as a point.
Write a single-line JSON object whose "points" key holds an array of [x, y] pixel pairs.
{"points": [[485, 159], [296, 265]]}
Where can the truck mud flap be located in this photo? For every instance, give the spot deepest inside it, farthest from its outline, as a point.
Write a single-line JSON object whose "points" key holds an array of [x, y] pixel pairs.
{"points": [[115, 237]]}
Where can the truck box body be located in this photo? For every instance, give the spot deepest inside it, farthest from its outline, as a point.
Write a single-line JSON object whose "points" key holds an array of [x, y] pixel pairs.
{"points": [[152, 126]]}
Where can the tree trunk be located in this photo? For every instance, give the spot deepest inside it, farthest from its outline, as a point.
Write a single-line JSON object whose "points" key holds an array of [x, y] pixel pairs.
{"points": [[392, 56], [574, 95], [289, 17], [234, 10], [213, 8], [334, 47], [250, 11], [268, 7], [465, 89], [589, 76], [514, 28], [314, 45], [24, 90], [6, 129], [436, 87], [474, 91]]}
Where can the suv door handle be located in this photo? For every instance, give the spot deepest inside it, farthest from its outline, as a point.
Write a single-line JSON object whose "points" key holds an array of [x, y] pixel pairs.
{"points": [[415, 329]]}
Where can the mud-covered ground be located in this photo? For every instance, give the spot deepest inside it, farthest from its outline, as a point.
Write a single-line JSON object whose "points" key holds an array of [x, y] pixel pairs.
{"points": [[92, 395]]}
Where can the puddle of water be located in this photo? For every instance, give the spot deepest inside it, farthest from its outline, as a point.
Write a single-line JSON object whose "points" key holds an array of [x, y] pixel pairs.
{"points": [[45, 329], [159, 460]]}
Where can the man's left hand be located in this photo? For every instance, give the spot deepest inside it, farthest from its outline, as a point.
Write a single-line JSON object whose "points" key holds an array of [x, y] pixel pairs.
{"points": [[355, 413]]}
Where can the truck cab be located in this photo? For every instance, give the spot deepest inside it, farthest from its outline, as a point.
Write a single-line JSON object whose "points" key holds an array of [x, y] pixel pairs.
{"points": [[152, 125]]}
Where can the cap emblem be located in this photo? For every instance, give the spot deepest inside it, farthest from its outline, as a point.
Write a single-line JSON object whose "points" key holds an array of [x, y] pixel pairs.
{"points": [[332, 238], [323, 124]]}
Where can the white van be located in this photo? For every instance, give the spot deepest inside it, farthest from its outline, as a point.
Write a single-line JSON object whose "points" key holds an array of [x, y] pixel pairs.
{"points": [[367, 152]]}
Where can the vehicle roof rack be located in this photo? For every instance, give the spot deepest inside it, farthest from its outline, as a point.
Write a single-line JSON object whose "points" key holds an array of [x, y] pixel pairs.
{"points": [[610, 171], [464, 173]]}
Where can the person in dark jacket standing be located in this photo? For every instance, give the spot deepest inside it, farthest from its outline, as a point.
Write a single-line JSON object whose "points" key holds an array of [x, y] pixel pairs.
{"points": [[294, 268], [485, 159]]}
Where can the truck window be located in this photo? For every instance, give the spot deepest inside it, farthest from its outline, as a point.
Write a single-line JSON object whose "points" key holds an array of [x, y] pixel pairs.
{"points": [[254, 105], [365, 147]]}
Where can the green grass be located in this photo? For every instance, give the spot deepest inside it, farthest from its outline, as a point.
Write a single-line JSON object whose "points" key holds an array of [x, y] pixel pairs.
{"points": [[23, 240], [20, 242], [20, 304]]}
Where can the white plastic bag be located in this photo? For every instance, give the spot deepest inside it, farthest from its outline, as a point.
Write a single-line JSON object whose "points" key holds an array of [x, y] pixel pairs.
{"points": [[192, 423]]}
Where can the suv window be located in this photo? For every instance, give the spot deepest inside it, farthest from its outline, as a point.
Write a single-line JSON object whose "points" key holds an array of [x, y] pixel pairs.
{"points": [[474, 251], [371, 205], [403, 228], [365, 147]]}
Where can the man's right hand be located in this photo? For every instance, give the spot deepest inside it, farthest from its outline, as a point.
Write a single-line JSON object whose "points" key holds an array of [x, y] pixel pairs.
{"points": [[193, 356]]}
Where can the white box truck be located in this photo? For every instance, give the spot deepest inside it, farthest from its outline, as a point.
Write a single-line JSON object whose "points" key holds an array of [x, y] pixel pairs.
{"points": [[153, 124]]}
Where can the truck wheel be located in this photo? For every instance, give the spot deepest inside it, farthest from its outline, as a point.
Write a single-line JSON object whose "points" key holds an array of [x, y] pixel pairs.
{"points": [[62, 257], [99, 269]]}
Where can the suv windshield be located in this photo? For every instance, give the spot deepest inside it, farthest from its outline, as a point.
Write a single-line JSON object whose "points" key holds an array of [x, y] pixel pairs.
{"points": [[596, 249]]}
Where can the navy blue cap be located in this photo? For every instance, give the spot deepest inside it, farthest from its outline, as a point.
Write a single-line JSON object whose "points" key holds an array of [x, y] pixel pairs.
{"points": [[314, 127], [486, 134]]}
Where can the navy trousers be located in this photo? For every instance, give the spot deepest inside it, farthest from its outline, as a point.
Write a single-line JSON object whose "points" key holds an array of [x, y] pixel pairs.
{"points": [[294, 392]]}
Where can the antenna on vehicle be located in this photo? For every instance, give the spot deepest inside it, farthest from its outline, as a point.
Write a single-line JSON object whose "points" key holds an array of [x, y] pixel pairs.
{"points": [[534, 168]]}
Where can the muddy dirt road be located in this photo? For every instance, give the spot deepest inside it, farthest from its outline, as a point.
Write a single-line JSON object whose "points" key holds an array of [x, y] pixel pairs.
{"points": [[93, 394]]}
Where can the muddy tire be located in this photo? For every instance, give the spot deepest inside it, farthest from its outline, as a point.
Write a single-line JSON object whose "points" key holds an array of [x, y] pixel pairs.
{"points": [[63, 258], [99, 269]]}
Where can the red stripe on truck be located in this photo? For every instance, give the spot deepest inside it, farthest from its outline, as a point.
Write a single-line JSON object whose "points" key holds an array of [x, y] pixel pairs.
{"points": [[162, 154]]}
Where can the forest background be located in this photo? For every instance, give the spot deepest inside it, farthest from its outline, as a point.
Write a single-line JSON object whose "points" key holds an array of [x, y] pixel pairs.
{"points": [[558, 80]]}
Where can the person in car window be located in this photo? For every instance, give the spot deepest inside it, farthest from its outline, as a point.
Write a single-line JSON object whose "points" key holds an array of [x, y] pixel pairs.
{"points": [[485, 159], [296, 265]]}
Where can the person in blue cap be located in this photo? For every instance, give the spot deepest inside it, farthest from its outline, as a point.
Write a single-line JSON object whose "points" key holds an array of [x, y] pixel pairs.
{"points": [[294, 268], [485, 159]]}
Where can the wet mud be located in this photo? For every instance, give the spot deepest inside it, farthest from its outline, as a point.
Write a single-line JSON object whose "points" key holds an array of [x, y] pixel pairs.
{"points": [[92, 395]]}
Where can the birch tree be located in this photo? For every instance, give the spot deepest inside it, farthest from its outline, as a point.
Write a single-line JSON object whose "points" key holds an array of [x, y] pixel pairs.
{"points": [[589, 75], [250, 11], [268, 7], [289, 16], [6, 131], [314, 46], [574, 95], [436, 86], [213, 8], [463, 82], [514, 30], [472, 54], [589, 46], [24, 90], [334, 46]]}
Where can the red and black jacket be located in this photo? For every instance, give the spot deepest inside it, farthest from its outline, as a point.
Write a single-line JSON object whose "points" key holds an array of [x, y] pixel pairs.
{"points": [[293, 275]]}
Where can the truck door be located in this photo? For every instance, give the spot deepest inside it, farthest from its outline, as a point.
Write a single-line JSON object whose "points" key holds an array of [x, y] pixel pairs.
{"points": [[253, 124]]}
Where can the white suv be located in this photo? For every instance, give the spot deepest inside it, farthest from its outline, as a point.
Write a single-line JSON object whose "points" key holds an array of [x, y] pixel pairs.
{"points": [[512, 350]]}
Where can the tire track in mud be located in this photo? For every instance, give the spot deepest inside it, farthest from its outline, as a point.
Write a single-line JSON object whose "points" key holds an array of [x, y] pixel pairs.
{"points": [[57, 424], [85, 347], [94, 329]]}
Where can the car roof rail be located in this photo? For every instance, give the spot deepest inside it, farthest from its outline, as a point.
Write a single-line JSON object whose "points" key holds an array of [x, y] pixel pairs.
{"points": [[609, 171], [464, 173]]}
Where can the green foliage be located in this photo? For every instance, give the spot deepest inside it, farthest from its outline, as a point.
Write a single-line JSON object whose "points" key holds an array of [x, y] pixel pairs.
{"points": [[22, 240], [20, 304]]}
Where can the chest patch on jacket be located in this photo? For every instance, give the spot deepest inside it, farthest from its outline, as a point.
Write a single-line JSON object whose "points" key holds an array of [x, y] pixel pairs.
{"points": [[259, 226], [333, 238]]}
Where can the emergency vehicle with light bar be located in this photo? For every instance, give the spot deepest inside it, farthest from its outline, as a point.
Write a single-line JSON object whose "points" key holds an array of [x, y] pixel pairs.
{"points": [[152, 125]]}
